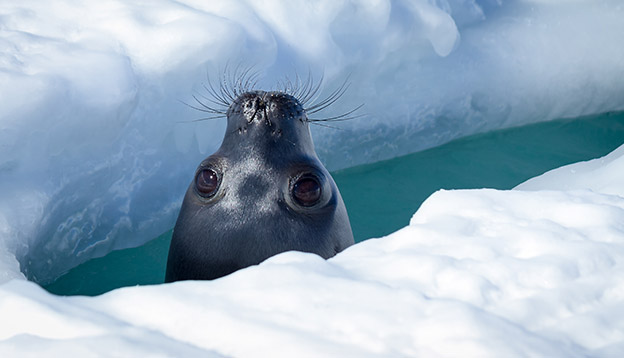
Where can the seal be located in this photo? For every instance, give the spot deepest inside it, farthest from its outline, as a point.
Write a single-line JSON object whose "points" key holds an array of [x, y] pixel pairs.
{"points": [[263, 192]]}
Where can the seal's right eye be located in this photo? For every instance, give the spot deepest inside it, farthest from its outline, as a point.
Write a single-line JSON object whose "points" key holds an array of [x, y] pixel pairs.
{"points": [[207, 182]]}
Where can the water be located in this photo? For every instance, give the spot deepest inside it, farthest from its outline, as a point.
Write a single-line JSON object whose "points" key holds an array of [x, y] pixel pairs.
{"points": [[381, 197]]}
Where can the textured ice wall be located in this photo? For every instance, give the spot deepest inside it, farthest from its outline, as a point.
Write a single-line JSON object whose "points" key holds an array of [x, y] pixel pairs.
{"points": [[92, 154]]}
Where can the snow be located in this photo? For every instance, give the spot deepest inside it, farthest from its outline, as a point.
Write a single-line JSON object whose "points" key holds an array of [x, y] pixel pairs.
{"points": [[476, 273], [96, 151], [603, 175]]}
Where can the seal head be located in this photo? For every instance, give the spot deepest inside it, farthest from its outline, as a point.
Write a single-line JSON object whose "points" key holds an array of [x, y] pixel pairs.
{"points": [[262, 193]]}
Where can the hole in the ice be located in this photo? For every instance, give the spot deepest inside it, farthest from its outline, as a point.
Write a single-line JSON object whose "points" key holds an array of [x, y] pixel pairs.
{"points": [[500, 159]]}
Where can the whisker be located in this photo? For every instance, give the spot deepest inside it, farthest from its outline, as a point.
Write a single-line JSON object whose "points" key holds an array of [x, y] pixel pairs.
{"points": [[202, 119], [205, 108], [225, 87], [208, 108], [342, 117], [217, 95], [327, 126], [236, 80], [251, 81], [331, 99], [312, 90], [209, 99]]}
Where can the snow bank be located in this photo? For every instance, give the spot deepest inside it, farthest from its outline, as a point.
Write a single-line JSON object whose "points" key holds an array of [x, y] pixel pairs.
{"points": [[477, 273], [602, 175]]}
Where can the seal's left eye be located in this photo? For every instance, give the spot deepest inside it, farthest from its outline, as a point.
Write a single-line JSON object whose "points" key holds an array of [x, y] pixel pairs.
{"points": [[307, 191], [207, 182]]}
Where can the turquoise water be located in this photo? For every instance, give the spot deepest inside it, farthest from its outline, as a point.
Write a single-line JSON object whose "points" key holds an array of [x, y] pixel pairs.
{"points": [[381, 197]]}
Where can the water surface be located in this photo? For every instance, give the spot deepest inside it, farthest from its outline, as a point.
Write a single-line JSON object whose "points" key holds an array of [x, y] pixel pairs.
{"points": [[381, 197]]}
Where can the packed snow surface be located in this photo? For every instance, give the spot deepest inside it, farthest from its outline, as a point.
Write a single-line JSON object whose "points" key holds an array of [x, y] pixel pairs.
{"points": [[477, 273]]}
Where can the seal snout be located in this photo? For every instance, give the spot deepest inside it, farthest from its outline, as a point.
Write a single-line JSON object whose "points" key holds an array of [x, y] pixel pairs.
{"points": [[266, 108]]}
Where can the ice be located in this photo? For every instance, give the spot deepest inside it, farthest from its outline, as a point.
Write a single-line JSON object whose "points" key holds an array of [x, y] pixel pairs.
{"points": [[477, 273], [96, 150], [602, 175]]}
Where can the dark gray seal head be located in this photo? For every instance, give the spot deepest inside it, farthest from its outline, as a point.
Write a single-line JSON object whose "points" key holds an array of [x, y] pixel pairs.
{"points": [[262, 193]]}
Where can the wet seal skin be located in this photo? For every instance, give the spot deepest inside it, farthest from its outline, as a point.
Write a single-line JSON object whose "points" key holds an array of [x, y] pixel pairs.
{"points": [[262, 193]]}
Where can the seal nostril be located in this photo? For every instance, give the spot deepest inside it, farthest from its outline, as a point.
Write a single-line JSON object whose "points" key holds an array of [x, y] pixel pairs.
{"points": [[276, 132]]}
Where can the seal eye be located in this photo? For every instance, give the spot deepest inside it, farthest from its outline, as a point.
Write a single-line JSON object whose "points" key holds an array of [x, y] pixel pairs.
{"points": [[207, 182], [306, 191]]}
